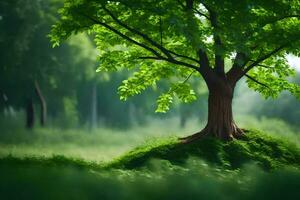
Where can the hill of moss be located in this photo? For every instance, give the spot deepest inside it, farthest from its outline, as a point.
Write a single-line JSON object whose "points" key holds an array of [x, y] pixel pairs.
{"points": [[255, 147]]}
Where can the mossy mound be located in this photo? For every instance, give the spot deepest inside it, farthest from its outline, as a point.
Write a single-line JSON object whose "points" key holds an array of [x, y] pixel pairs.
{"points": [[255, 147]]}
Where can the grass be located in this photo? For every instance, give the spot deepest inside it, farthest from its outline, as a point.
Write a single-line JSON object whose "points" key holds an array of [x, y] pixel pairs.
{"points": [[58, 178], [259, 166], [104, 143], [53, 161], [266, 151]]}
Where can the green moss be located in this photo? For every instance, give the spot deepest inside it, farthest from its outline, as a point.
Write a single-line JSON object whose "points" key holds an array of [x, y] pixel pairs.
{"points": [[256, 147]]}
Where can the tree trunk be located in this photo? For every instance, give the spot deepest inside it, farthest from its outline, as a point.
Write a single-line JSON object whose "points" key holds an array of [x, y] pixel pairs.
{"points": [[182, 120], [43, 104], [94, 107], [29, 114], [220, 121]]}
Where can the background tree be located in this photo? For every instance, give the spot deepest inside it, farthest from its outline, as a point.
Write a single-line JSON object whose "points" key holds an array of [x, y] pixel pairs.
{"points": [[37, 78], [286, 107], [167, 39]]}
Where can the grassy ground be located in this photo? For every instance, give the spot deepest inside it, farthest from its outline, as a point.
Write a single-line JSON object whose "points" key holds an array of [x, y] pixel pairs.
{"points": [[103, 144], [163, 181], [163, 169], [81, 164]]}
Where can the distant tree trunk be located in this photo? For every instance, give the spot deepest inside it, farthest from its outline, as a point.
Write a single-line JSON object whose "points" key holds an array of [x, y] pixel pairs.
{"points": [[183, 117], [29, 114], [43, 105], [182, 121], [94, 107]]}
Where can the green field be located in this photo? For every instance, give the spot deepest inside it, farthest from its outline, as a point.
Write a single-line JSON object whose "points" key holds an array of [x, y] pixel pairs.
{"points": [[104, 164]]}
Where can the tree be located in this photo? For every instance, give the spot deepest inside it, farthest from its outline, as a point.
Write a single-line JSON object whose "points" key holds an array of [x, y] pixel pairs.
{"points": [[286, 107], [30, 70], [171, 40], [19, 26]]}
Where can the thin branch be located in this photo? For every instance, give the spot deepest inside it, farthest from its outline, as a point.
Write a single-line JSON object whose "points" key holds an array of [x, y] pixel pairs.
{"points": [[267, 23], [261, 59], [194, 9], [201, 13], [158, 56], [279, 19], [260, 65], [183, 82], [121, 34], [183, 56], [149, 58], [258, 82], [135, 31], [187, 78], [177, 62], [147, 38]]}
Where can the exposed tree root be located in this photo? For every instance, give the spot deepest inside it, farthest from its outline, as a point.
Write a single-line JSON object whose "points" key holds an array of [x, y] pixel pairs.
{"points": [[236, 133], [194, 137]]}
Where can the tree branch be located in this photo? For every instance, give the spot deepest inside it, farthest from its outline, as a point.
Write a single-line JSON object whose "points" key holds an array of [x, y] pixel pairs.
{"points": [[260, 65], [201, 13], [158, 56], [147, 38], [258, 82], [239, 62], [267, 23], [149, 58], [187, 78], [219, 60], [261, 59], [171, 60], [135, 31], [177, 62], [204, 62], [279, 19], [194, 9], [121, 34]]}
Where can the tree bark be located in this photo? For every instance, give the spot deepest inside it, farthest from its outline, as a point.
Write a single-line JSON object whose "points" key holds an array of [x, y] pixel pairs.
{"points": [[43, 104], [220, 122], [29, 114]]}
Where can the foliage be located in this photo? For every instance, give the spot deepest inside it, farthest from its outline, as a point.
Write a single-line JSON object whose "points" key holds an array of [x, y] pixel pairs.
{"points": [[163, 39], [66, 75]]}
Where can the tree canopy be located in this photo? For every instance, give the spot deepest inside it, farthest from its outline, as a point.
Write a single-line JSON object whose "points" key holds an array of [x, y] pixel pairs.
{"points": [[174, 39]]}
